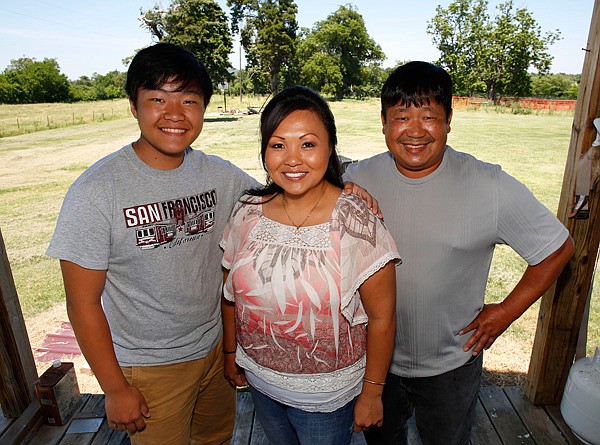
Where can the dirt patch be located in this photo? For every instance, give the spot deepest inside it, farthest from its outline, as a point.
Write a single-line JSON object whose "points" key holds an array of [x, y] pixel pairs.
{"points": [[50, 322], [506, 363]]}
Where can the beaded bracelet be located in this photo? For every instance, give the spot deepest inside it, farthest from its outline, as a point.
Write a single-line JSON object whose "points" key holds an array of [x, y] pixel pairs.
{"points": [[372, 382]]}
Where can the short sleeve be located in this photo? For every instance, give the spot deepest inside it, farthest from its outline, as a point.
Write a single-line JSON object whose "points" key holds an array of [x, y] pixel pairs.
{"points": [[525, 224], [83, 228], [366, 247]]}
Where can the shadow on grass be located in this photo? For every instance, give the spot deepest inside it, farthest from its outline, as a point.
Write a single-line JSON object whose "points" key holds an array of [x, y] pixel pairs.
{"points": [[221, 119], [503, 378]]}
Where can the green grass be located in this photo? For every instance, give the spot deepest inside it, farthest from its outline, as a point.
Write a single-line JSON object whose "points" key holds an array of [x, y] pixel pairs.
{"points": [[36, 169]]}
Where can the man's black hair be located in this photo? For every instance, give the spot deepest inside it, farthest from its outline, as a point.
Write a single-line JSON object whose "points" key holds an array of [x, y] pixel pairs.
{"points": [[417, 83], [163, 63]]}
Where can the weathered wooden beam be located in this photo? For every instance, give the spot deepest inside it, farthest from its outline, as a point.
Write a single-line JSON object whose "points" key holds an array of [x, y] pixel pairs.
{"points": [[24, 426], [562, 307], [17, 366]]}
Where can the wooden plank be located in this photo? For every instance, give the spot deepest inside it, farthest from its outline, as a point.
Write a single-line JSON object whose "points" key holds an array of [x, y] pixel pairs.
{"points": [[483, 432], [503, 417], [244, 418], [94, 405], [24, 426], [561, 309], [4, 423], [542, 428], [105, 434], [17, 366], [554, 413], [52, 434], [119, 438]]}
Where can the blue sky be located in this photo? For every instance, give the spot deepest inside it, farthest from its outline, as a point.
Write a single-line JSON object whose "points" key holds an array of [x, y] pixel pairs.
{"points": [[93, 36]]}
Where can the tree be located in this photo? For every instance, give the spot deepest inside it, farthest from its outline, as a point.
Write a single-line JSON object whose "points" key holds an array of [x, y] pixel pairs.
{"points": [[110, 85], [83, 89], [373, 77], [200, 26], [336, 52], [269, 38], [247, 85], [26, 80], [490, 56], [323, 72], [99, 87], [559, 86]]}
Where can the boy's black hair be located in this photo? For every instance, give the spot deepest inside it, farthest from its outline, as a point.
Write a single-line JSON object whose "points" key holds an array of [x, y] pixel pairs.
{"points": [[156, 65], [417, 83]]}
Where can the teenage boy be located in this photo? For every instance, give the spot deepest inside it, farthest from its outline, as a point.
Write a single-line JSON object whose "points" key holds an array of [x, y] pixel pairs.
{"points": [[447, 211], [138, 242]]}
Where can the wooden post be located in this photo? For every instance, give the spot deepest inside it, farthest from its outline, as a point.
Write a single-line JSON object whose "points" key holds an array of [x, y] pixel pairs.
{"points": [[562, 306], [17, 367]]}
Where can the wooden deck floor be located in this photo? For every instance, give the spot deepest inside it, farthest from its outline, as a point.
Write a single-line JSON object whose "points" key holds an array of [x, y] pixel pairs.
{"points": [[504, 417]]}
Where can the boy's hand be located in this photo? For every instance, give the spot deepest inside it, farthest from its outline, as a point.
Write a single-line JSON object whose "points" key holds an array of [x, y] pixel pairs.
{"points": [[126, 409]]}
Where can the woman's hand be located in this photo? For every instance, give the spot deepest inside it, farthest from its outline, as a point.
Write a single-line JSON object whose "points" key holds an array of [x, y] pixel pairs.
{"points": [[368, 411]]}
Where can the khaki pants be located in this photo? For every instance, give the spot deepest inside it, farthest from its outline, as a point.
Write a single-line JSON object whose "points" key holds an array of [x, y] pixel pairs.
{"points": [[189, 402]]}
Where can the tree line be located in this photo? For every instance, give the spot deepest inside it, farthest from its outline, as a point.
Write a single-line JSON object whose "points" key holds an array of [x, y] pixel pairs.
{"points": [[486, 55], [27, 81]]}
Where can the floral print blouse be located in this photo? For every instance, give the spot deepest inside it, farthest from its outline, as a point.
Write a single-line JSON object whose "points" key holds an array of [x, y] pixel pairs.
{"points": [[300, 322]]}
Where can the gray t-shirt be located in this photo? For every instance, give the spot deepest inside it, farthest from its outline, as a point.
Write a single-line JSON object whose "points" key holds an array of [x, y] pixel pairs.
{"points": [[157, 234], [446, 225]]}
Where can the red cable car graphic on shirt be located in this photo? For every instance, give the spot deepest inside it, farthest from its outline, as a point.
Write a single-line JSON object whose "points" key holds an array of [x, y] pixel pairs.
{"points": [[201, 223], [150, 237], [160, 223]]}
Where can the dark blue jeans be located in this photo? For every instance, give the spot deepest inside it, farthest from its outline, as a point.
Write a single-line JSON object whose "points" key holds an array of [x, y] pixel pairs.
{"points": [[285, 425], [443, 406]]}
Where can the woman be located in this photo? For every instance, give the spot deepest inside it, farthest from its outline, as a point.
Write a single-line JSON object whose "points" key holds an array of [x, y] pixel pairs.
{"points": [[306, 267]]}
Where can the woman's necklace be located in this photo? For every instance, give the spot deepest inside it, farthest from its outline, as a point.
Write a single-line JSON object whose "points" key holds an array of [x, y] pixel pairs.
{"points": [[297, 226]]}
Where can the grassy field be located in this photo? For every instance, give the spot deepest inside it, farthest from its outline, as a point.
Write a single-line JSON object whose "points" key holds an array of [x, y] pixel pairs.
{"points": [[37, 168], [22, 119]]}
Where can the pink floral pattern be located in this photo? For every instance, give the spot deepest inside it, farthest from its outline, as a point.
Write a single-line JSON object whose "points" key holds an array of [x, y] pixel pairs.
{"points": [[298, 310]]}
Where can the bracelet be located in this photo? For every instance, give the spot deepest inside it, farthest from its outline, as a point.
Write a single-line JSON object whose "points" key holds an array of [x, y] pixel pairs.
{"points": [[372, 382], [228, 352]]}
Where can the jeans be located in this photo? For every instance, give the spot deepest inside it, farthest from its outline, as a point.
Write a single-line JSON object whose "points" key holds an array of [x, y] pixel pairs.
{"points": [[285, 425], [443, 406]]}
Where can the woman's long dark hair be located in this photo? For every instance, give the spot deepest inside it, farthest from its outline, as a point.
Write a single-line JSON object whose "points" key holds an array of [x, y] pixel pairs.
{"points": [[281, 106]]}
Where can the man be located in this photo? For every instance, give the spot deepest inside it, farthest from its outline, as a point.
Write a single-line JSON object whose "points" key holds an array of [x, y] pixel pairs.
{"points": [[447, 211], [138, 239]]}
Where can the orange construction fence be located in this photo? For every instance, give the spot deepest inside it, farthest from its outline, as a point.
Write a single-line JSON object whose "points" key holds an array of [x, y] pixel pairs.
{"points": [[525, 102]]}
